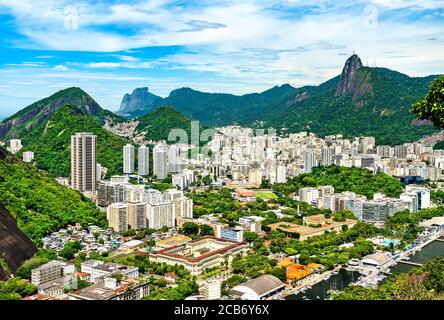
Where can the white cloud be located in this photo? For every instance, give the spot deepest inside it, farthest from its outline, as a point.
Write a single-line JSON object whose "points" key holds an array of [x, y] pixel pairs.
{"points": [[61, 67]]}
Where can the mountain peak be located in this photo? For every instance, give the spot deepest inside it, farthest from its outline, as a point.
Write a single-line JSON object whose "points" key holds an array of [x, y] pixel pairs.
{"points": [[349, 72], [140, 98]]}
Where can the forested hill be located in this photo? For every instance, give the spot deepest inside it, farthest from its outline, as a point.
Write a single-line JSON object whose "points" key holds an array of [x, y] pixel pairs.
{"points": [[39, 112], [358, 102], [157, 124], [51, 140], [38, 203]]}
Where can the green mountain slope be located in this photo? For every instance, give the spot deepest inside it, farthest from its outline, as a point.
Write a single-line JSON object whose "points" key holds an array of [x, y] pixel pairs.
{"points": [[157, 124], [360, 101], [37, 113], [51, 140], [38, 203], [214, 109], [378, 103]]}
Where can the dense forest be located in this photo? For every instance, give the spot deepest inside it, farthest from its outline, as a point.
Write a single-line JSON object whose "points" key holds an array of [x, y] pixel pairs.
{"points": [[39, 204]]}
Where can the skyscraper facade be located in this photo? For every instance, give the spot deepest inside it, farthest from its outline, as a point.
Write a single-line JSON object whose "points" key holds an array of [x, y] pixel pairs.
{"points": [[83, 162], [128, 159], [160, 161], [143, 161], [173, 159]]}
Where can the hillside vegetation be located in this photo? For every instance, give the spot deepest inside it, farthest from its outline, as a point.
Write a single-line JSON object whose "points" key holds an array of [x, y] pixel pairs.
{"points": [[360, 181], [38, 203], [51, 142]]}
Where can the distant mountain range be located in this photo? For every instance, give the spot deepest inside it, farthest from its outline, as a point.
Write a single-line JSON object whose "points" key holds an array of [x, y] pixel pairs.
{"points": [[360, 101]]}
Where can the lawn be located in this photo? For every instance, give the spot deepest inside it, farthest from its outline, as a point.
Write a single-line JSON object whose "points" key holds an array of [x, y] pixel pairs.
{"points": [[266, 195]]}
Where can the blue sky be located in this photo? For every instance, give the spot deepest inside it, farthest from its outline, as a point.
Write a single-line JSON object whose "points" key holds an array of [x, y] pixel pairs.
{"points": [[108, 48]]}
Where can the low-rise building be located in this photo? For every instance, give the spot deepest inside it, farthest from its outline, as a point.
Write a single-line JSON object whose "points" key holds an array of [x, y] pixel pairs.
{"points": [[198, 255], [258, 289]]}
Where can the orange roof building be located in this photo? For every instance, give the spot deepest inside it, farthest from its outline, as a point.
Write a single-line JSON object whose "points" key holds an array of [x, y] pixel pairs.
{"points": [[298, 271]]}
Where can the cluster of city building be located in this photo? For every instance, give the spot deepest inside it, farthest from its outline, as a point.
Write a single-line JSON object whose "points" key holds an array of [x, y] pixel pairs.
{"points": [[245, 156], [414, 198]]}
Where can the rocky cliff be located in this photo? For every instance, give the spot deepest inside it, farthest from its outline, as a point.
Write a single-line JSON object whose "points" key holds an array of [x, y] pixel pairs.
{"points": [[15, 246], [139, 99]]}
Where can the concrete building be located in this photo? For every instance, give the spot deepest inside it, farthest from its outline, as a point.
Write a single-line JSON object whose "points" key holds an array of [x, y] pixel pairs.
{"points": [[83, 162], [47, 272], [28, 156], [173, 159], [143, 161], [160, 161], [98, 270], [137, 215], [117, 214], [212, 289], [160, 215], [111, 289], [198, 255], [15, 145], [128, 159]]}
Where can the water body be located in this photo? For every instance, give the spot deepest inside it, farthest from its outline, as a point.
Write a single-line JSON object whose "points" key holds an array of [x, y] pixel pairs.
{"points": [[338, 281], [431, 251]]}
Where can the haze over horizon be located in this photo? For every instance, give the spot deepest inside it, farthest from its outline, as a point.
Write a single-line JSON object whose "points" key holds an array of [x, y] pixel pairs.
{"points": [[214, 46]]}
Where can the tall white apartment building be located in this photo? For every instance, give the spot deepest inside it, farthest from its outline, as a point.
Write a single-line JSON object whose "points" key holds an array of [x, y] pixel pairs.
{"points": [[183, 208], [143, 161], [160, 215], [309, 160], [160, 161], [83, 162], [327, 156], [128, 159], [173, 159], [281, 173]]}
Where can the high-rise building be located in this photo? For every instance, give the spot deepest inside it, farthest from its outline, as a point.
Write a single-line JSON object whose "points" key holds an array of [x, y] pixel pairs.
{"points": [[110, 192], [183, 208], [143, 165], [137, 215], [160, 215], [160, 163], [128, 159], [173, 159], [255, 176], [117, 214], [98, 172], [309, 160], [83, 162], [400, 151], [327, 156], [281, 173]]}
